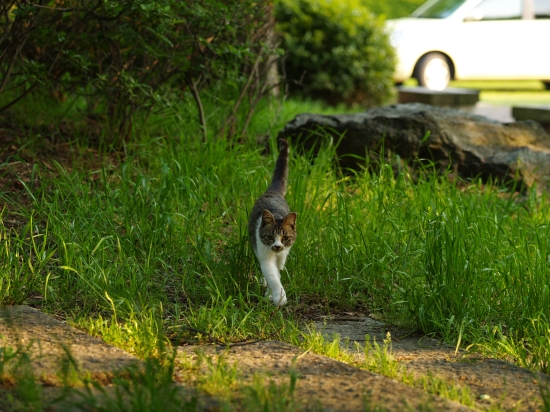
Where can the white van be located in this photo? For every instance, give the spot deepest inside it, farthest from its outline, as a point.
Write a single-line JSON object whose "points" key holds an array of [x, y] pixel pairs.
{"points": [[473, 40]]}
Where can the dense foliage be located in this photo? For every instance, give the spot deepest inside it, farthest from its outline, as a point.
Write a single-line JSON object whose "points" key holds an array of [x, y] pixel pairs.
{"points": [[130, 54], [336, 51]]}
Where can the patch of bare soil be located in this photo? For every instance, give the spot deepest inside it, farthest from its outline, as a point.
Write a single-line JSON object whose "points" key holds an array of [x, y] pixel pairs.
{"points": [[48, 342], [495, 383]]}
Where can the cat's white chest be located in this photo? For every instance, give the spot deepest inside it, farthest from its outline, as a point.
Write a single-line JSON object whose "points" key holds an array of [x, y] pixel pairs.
{"points": [[271, 264]]}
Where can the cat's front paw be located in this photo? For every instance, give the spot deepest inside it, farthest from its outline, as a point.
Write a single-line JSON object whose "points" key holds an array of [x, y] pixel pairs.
{"points": [[278, 300]]}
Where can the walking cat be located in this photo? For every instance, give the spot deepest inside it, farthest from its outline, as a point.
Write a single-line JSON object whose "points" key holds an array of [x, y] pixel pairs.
{"points": [[272, 228]]}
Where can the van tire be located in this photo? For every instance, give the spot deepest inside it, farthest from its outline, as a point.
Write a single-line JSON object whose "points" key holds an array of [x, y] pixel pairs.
{"points": [[433, 71]]}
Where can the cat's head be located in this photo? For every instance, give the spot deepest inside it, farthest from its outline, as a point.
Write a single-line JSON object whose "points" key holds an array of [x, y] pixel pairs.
{"points": [[278, 235]]}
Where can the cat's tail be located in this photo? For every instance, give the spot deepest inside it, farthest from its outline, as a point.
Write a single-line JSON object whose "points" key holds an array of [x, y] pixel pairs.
{"points": [[280, 175]]}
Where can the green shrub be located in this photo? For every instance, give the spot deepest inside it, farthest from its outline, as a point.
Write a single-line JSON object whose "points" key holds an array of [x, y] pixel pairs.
{"points": [[393, 9], [336, 51], [127, 56]]}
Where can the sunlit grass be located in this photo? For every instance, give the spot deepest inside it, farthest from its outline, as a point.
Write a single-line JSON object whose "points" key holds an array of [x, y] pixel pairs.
{"points": [[157, 249], [495, 85], [500, 85], [503, 92], [513, 98]]}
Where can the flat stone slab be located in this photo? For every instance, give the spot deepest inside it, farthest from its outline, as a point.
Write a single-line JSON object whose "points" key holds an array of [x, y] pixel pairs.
{"points": [[450, 97], [44, 338], [323, 383], [493, 382], [538, 113]]}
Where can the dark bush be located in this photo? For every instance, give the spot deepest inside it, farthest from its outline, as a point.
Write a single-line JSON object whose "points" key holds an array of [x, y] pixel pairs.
{"points": [[336, 51], [131, 55]]}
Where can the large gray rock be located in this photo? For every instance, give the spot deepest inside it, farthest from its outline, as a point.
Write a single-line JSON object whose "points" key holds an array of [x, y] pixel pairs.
{"points": [[469, 144]]}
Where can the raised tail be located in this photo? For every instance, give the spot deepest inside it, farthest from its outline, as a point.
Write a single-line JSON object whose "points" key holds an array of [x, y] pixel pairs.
{"points": [[280, 175]]}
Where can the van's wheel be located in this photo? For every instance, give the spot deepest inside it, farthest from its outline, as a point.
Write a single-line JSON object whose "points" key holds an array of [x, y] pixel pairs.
{"points": [[546, 85], [433, 71]]}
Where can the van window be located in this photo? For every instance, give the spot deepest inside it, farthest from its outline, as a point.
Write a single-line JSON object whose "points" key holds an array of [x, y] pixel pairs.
{"points": [[439, 9], [542, 9], [499, 10]]}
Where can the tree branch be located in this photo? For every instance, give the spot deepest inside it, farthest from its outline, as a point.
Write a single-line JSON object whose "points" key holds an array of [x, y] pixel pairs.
{"points": [[14, 101], [197, 97]]}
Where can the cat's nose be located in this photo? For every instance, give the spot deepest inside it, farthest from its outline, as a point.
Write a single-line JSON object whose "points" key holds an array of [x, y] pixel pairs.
{"points": [[276, 248]]}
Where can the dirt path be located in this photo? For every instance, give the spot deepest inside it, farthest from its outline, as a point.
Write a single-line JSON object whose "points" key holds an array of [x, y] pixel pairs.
{"points": [[323, 384], [47, 342], [495, 384]]}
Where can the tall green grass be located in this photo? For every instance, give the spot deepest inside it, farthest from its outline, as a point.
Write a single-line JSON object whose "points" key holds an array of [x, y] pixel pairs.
{"points": [[159, 246]]}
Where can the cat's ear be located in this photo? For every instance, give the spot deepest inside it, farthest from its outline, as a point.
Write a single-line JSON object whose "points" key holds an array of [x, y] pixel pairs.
{"points": [[267, 217], [290, 219]]}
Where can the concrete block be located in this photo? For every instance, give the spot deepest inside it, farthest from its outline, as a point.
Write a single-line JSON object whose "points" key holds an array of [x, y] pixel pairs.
{"points": [[539, 113], [450, 97]]}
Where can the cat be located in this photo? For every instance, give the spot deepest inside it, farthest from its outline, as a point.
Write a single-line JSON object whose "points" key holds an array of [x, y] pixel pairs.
{"points": [[272, 228]]}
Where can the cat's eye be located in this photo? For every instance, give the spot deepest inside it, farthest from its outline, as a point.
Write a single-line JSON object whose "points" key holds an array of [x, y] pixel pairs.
{"points": [[270, 238], [285, 238]]}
